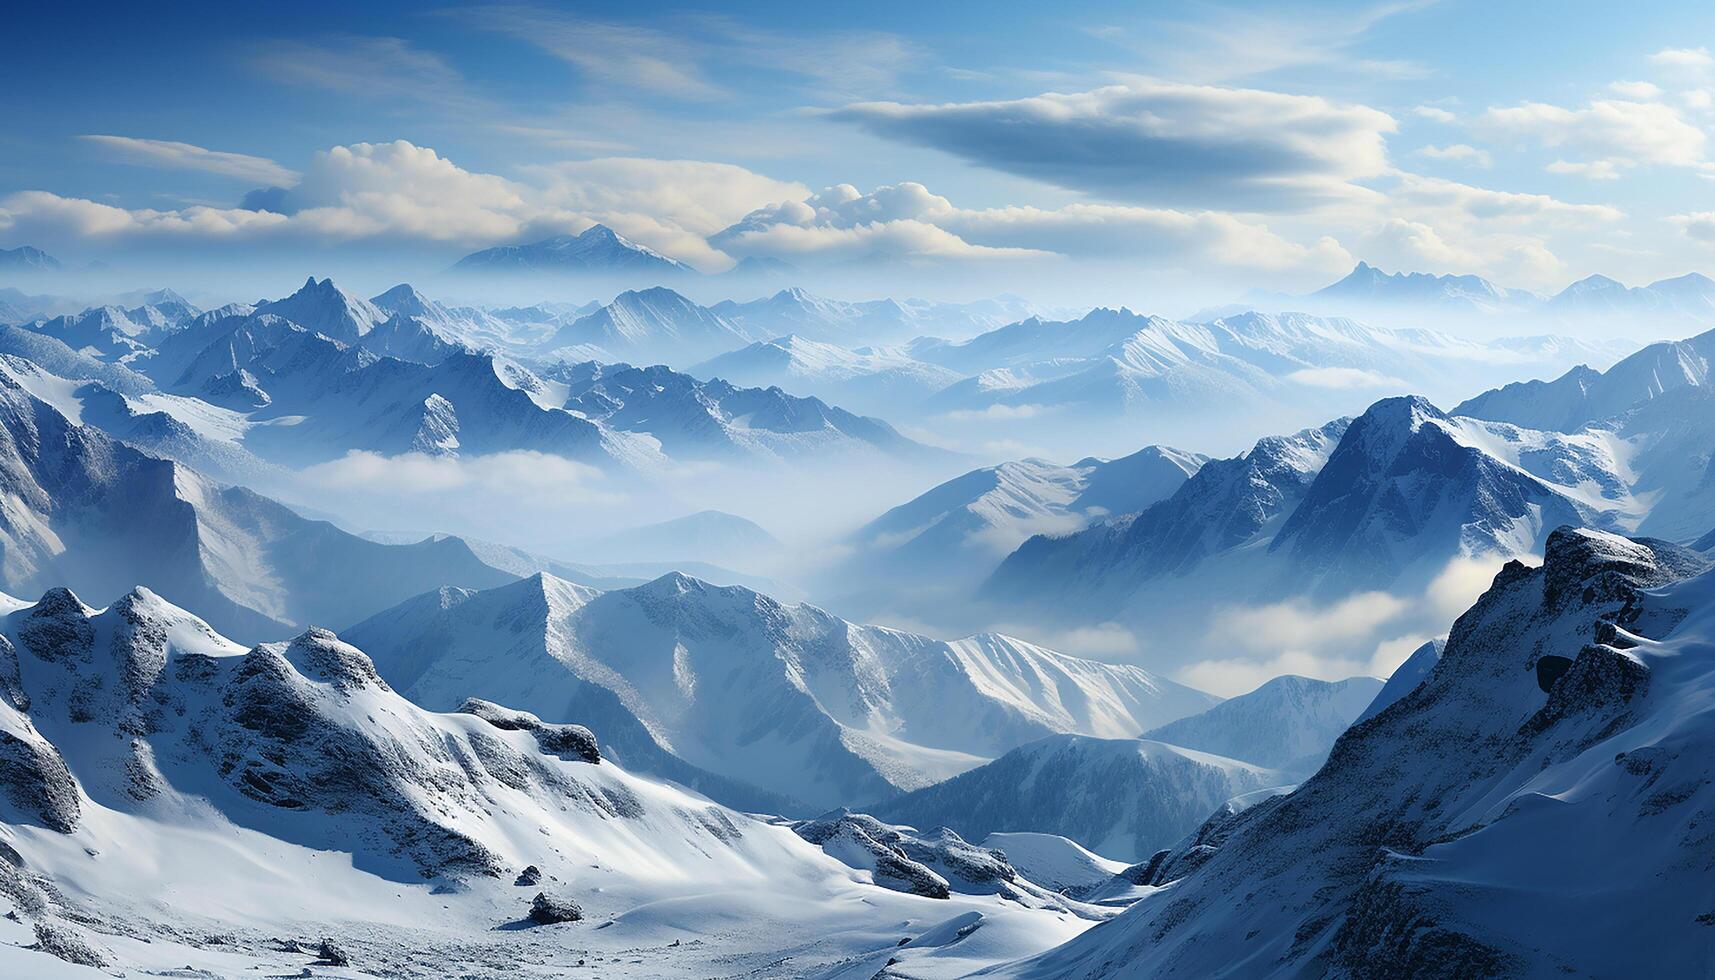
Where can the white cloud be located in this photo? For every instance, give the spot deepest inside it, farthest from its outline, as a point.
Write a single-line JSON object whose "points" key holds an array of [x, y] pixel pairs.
{"points": [[403, 191], [1621, 131], [531, 477], [1344, 378], [1635, 90], [1686, 59], [907, 219], [1699, 225], [1234, 676], [185, 156], [618, 54], [1434, 113], [1462, 152], [1149, 141], [1593, 169], [1478, 203], [373, 68], [1298, 624], [1369, 633]]}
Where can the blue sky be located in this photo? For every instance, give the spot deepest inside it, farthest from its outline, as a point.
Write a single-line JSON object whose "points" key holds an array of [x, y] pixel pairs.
{"points": [[1262, 145]]}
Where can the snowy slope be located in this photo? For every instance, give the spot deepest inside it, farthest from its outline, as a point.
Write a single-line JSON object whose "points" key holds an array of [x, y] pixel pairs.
{"points": [[1289, 723], [783, 697], [1122, 798], [319, 805]]}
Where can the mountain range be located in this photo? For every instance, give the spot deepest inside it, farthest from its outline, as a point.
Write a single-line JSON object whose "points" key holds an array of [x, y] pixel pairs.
{"points": [[785, 698], [595, 250], [1682, 300]]}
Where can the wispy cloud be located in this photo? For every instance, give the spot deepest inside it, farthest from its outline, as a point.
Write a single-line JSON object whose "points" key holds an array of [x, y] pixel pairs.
{"points": [[173, 155], [376, 69], [1156, 142], [682, 58], [1227, 43]]}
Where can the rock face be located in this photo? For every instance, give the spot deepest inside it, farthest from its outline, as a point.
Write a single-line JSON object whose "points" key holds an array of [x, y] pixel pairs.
{"points": [[1433, 842]]}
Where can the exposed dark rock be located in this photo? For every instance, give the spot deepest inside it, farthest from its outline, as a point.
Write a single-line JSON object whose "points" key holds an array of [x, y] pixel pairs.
{"points": [[547, 911], [1549, 667], [68, 945], [331, 955], [565, 741], [11, 679], [57, 628], [891, 867], [531, 875], [37, 782]]}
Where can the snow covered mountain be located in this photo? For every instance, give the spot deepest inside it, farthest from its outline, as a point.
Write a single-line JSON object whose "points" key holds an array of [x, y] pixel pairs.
{"points": [[322, 804], [597, 249], [1584, 395], [694, 419], [819, 319], [1409, 485], [27, 258], [96, 515], [1404, 490], [964, 526], [783, 697], [655, 325], [1684, 298], [1123, 798], [115, 333], [1116, 363], [324, 308], [1288, 724], [880, 380], [1569, 710], [1367, 286], [1226, 505]]}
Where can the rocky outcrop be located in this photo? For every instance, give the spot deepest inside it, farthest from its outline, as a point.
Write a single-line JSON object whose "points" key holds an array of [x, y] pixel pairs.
{"points": [[546, 911], [565, 741], [36, 781], [866, 843]]}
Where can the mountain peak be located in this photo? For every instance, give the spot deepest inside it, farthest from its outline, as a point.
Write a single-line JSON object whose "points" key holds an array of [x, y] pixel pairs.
{"points": [[27, 257]]}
